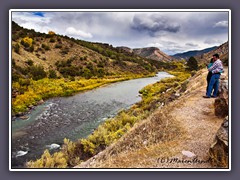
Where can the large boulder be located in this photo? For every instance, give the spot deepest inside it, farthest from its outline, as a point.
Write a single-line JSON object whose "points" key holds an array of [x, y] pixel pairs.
{"points": [[223, 89], [219, 149], [221, 103]]}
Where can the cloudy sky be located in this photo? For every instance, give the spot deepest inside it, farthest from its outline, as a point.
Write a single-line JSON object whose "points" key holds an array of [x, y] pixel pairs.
{"points": [[172, 32]]}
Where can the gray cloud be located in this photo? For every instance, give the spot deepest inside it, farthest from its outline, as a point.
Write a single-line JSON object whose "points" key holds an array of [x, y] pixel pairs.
{"points": [[191, 44], [173, 32], [221, 24], [153, 24], [213, 41]]}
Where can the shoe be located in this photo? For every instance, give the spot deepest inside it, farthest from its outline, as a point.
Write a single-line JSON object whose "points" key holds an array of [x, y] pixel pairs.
{"points": [[206, 96], [214, 96]]}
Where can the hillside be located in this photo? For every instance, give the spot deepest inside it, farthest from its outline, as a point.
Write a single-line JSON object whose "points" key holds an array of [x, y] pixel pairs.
{"points": [[222, 50], [66, 57], [152, 53], [188, 54], [180, 131]]}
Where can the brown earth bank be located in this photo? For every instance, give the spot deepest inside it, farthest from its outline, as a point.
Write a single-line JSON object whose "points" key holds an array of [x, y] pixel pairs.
{"points": [[178, 135]]}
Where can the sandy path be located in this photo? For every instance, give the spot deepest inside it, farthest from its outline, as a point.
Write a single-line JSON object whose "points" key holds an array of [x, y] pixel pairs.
{"points": [[197, 116]]}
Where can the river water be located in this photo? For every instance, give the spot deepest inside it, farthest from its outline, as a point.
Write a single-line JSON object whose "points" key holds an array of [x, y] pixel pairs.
{"points": [[72, 117]]}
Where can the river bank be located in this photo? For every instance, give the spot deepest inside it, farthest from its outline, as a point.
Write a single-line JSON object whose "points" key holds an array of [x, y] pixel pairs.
{"points": [[38, 91]]}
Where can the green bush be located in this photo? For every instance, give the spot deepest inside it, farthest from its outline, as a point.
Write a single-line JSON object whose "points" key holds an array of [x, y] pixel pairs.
{"points": [[52, 40], [37, 72], [58, 46], [24, 82], [100, 64], [52, 74], [69, 71], [31, 48], [192, 64], [15, 37], [29, 62], [15, 77], [100, 72], [87, 73], [16, 48], [46, 47], [65, 51]]}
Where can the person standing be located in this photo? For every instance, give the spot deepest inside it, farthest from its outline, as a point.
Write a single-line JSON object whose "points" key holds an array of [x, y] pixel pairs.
{"points": [[209, 74], [216, 69]]}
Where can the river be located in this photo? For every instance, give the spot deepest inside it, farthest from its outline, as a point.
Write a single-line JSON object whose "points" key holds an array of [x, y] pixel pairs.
{"points": [[72, 117]]}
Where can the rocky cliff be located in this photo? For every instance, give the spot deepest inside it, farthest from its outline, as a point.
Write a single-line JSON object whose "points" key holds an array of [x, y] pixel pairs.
{"points": [[218, 151], [152, 53]]}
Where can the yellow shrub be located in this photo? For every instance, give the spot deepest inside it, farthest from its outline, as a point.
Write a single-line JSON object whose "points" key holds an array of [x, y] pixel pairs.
{"points": [[88, 146], [68, 148], [28, 40], [51, 33], [57, 160]]}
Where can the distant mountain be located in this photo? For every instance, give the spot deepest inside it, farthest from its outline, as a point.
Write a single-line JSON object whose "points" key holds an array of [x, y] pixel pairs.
{"points": [[152, 53], [188, 54], [222, 50]]}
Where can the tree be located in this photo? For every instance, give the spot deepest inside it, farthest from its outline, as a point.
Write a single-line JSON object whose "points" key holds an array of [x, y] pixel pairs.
{"points": [[192, 64], [16, 48], [87, 73], [37, 72], [29, 62], [52, 74]]}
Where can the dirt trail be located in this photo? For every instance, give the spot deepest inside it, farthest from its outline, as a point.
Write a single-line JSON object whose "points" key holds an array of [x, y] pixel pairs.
{"points": [[195, 115]]}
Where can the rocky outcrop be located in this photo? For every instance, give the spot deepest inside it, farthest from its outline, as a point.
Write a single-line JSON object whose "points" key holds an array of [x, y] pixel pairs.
{"points": [[124, 49], [152, 53], [219, 149], [221, 103]]}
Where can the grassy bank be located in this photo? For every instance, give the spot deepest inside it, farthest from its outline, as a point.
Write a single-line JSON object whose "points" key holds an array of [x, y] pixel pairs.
{"points": [[153, 96], [34, 91]]}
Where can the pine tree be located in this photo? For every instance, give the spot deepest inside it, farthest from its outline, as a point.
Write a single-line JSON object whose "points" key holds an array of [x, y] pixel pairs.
{"points": [[192, 64]]}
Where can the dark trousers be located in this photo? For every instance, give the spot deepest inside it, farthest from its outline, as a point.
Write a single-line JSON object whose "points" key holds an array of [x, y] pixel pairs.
{"points": [[208, 80], [213, 85]]}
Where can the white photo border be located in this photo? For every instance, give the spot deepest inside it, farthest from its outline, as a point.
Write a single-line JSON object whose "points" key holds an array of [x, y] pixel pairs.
{"points": [[118, 10]]}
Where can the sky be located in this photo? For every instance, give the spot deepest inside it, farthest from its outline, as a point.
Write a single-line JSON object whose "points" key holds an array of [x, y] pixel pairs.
{"points": [[171, 32]]}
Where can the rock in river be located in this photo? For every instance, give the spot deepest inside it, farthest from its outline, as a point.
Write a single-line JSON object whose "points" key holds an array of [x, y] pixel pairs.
{"points": [[21, 153], [53, 146]]}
